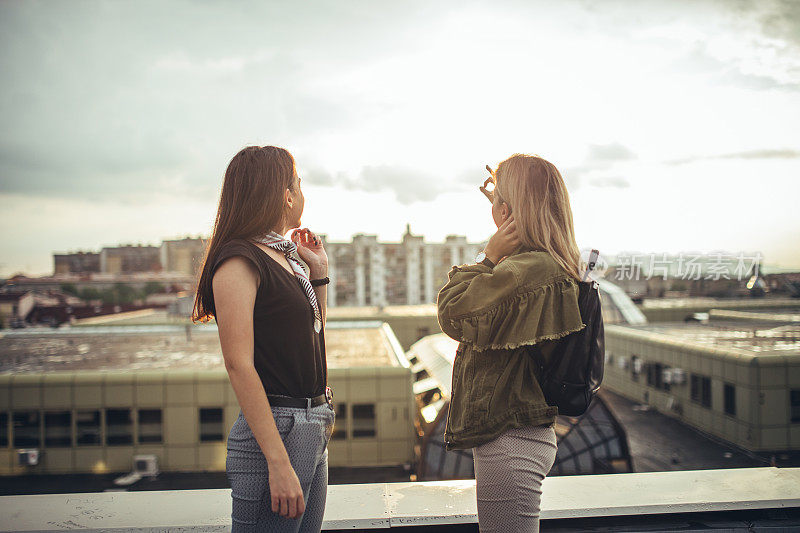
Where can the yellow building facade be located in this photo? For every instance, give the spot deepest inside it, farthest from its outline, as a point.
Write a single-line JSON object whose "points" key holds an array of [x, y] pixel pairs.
{"points": [[96, 421]]}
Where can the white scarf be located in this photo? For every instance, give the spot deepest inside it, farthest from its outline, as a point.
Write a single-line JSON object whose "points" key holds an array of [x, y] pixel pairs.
{"points": [[289, 249]]}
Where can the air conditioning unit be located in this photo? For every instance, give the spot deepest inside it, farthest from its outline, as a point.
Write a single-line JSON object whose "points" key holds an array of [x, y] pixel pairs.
{"points": [[28, 457], [674, 405], [145, 465], [678, 376], [637, 366], [666, 375], [622, 362]]}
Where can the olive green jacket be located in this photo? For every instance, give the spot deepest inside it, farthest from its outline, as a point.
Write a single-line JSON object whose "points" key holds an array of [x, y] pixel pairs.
{"points": [[494, 312]]}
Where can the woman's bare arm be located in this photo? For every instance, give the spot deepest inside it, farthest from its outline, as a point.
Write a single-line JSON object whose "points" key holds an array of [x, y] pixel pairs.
{"points": [[235, 284]]}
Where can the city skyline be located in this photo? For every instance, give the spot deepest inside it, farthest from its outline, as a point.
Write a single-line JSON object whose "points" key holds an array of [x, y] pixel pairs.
{"points": [[741, 262], [673, 124]]}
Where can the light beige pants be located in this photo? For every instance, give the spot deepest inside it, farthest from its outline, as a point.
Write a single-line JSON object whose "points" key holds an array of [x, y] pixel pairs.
{"points": [[509, 471]]}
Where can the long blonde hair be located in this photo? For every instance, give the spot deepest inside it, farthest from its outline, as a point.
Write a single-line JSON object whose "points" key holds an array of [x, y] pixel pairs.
{"points": [[535, 191]]}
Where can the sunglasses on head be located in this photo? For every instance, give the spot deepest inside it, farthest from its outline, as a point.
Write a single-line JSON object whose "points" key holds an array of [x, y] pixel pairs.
{"points": [[489, 185]]}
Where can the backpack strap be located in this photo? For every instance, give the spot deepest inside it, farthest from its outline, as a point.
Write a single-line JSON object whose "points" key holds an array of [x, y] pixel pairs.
{"points": [[591, 263]]}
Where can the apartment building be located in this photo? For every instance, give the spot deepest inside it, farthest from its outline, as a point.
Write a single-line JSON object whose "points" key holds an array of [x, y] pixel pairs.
{"points": [[183, 255], [129, 258], [365, 272], [76, 263]]}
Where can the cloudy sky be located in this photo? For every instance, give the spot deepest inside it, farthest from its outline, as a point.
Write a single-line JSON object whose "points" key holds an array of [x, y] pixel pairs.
{"points": [[675, 124]]}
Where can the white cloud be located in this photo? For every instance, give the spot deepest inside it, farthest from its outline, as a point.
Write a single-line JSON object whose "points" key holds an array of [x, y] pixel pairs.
{"points": [[393, 105]]}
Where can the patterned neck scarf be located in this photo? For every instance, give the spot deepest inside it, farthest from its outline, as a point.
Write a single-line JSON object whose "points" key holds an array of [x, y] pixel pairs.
{"points": [[289, 249]]}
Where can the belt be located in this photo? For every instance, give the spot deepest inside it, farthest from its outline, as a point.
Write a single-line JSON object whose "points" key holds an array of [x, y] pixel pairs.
{"points": [[278, 400]]}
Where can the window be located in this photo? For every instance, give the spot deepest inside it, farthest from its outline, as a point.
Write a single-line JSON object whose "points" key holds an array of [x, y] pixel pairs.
{"points": [[655, 375], [211, 424], [87, 424], [701, 390], [636, 364], [119, 427], [3, 429], [730, 399], [794, 405], [58, 429], [705, 399], [340, 425], [695, 388], [363, 420], [26, 429], [150, 429]]}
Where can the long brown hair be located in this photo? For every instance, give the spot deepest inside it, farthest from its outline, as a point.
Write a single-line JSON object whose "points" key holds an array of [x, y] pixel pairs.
{"points": [[251, 204], [537, 195]]}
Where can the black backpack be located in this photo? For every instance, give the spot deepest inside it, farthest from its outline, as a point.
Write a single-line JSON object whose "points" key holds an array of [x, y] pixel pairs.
{"points": [[575, 370]]}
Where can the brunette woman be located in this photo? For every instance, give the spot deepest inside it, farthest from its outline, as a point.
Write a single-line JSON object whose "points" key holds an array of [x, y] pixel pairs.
{"points": [[522, 291], [268, 297]]}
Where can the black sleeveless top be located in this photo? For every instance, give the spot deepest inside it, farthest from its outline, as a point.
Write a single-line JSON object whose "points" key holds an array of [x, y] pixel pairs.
{"points": [[288, 355]]}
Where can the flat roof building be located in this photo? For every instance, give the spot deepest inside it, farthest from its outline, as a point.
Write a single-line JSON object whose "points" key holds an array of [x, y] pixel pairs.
{"points": [[676, 309], [89, 399], [734, 375]]}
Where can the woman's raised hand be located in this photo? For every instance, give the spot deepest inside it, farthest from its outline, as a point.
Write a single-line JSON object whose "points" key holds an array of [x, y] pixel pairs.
{"points": [[503, 242], [310, 249]]}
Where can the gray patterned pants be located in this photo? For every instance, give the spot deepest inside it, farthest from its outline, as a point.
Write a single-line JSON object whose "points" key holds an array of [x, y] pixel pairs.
{"points": [[509, 471], [305, 433]]}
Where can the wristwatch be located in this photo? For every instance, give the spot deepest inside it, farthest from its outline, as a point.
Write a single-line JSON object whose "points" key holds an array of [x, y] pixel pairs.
{"points": [[481, 258]]}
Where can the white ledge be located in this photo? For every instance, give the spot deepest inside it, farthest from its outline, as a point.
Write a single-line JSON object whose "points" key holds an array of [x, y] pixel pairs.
{"points": [[385, 505]]}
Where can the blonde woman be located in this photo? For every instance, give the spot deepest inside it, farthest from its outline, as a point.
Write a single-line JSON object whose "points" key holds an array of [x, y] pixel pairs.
{"points": [[522, 291]]}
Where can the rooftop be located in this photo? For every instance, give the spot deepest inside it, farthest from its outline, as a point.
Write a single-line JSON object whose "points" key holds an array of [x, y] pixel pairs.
{"points": [[694, 499], [736, 337], [759, 315], [12, 296], [340, 313], [168, 347], [335, 314], [719, 303]]}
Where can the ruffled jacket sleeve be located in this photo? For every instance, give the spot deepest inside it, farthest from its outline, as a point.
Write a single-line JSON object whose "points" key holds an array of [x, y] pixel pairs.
{"points": [[524, 300]]}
